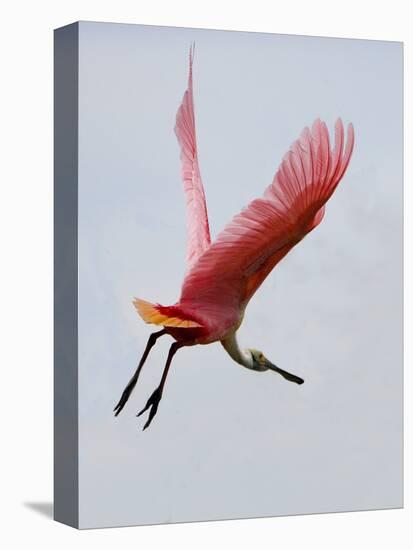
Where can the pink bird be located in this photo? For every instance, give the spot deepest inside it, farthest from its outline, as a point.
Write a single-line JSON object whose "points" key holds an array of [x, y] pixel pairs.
{"points": [[223, 276]]}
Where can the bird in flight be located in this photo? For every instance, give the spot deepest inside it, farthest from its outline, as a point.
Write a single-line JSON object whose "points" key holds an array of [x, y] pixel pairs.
{"points": [[222, 276]]}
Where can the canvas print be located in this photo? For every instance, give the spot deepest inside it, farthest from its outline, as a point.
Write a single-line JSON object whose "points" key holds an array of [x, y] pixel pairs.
{"points": [[218, 194]]}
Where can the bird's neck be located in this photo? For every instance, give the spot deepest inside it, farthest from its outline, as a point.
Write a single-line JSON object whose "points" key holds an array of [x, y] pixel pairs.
{"points": [[242, 357]]}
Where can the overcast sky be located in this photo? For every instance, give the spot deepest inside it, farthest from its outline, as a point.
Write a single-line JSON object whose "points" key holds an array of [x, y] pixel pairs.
{"points": [[227, 442]]}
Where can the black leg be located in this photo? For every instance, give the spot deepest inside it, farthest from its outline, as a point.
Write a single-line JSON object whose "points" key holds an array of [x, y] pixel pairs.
{"points": [[155, 398], [132, 382]]}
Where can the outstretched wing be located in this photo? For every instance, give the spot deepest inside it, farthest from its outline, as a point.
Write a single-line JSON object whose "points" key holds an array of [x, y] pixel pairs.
{"points": [[226, 276], [197, 218]]}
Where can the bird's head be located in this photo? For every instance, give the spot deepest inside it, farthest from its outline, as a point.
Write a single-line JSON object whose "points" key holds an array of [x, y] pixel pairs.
{"points": [[259, 361]]}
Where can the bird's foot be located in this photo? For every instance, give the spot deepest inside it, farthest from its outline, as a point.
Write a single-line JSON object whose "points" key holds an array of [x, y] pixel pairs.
{"points": [[153, 403], [124, 398]]}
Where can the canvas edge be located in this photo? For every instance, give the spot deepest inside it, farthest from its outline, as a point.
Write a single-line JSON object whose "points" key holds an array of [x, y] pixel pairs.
{"points": [[66, 440]]}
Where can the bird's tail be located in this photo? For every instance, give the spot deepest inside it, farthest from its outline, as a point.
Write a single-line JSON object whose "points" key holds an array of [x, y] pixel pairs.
{"points": [[167, 316]]}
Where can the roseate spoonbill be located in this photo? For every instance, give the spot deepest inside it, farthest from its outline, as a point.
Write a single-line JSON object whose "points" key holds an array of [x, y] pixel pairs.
{"points": [[223, 276]]}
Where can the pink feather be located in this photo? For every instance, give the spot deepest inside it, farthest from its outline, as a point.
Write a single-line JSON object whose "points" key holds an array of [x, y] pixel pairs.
{"points": [[197, 217], [224, 278]]}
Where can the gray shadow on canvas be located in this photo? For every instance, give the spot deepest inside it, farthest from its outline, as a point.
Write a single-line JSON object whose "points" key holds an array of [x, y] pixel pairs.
{"points": [[43, 508]]}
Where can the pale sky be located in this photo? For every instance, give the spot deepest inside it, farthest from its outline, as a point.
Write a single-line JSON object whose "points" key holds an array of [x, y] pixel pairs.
{"points": [[227, 442]]}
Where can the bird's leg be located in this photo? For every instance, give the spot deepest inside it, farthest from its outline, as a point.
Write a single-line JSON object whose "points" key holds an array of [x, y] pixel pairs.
{"points": [[155, 398], [132, 382]]}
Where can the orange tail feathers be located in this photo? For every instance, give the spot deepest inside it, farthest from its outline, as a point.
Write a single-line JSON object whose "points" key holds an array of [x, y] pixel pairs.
{"points": [[162, 315]]}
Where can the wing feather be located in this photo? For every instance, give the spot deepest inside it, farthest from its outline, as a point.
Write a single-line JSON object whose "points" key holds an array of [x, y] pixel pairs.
{"points": [[228, 273], [197, 217]]}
